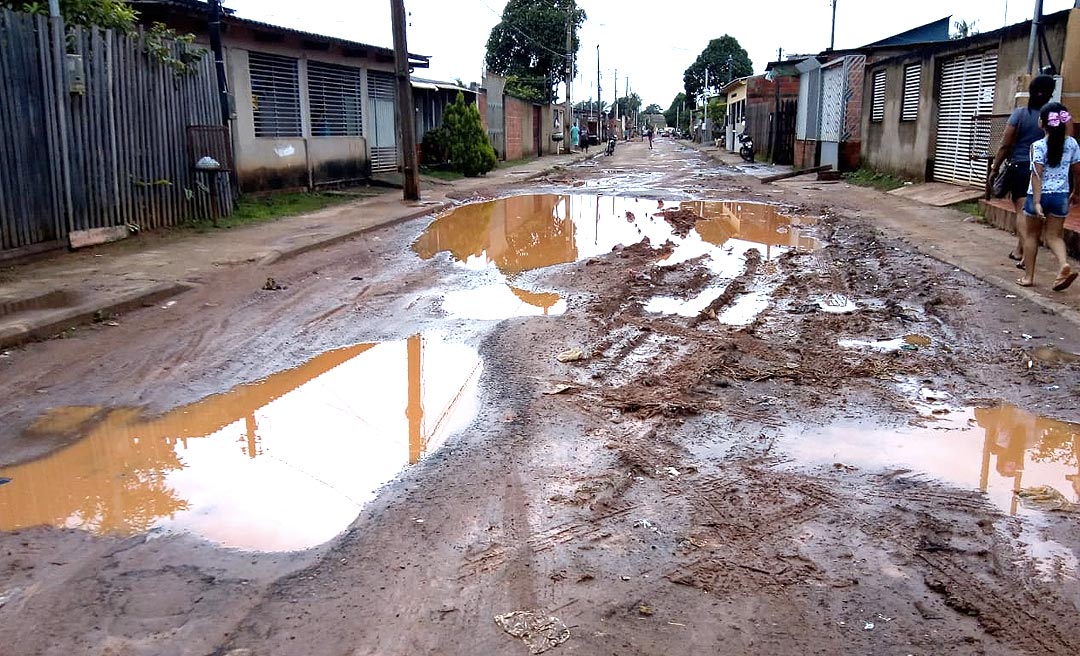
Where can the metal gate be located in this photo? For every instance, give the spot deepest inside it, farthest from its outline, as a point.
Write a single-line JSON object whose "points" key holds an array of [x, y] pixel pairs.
{"points": [[496, 114], [784, 144], [832, 113], [382, 142], [967, 89]]}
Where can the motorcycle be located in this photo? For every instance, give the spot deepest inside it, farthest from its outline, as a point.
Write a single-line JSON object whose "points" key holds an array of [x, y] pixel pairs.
{"points": [[746, 149], [610, 146]]}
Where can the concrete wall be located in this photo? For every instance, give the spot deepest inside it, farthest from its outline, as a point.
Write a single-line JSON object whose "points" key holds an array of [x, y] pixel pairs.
{"points": [[905, 148], [295, 162]]}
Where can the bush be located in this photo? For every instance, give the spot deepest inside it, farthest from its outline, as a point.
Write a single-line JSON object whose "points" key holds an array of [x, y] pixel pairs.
{"points": [[436, 147], [470, 151]]}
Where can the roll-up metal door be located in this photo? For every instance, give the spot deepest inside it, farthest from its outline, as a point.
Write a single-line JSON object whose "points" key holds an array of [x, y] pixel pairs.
{"points": [[382, 139], [967, 89]]}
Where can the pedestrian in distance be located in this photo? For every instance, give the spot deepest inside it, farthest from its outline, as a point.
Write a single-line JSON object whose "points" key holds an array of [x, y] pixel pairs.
{"points": [[1055, 163], [584, 136], [649, 132], [1021, 131], [574, 136]]}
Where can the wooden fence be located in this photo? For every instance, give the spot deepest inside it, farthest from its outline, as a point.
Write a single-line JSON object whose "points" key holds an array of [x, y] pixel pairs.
{"points": [[93, 135]]}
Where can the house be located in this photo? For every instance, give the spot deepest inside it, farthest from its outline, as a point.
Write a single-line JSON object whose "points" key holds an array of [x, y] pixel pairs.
{"points": [[757, 100], [829, 116], [936, 113], [430, 98], [310, 109], [517, 127]]}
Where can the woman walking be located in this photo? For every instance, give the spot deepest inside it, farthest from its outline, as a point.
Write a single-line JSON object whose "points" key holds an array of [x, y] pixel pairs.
{"points": [[1055, 162], [1021, 131]]}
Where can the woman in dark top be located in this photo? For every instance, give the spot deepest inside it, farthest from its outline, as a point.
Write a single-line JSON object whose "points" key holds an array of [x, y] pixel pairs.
{"points": [[1023, 129]]}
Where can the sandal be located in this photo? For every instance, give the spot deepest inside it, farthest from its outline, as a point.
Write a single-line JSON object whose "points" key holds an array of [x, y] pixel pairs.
{"points": [[1063, 282], [1025, 283], [1014, 256]]}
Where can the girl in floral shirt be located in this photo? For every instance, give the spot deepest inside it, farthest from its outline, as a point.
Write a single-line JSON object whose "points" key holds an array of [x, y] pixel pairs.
{"points": [[1055, 162]]}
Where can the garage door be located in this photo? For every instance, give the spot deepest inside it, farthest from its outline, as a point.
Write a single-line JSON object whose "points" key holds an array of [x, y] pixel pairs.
{"points": [[967, 89], [382, 135]]}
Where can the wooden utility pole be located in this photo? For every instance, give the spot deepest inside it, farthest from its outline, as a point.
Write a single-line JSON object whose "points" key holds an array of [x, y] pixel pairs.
{"points": [[832, 35], [407, 121], [568, 121]]}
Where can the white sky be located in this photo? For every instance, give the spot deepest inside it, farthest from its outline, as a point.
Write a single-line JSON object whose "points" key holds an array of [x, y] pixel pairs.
{"points": [[652, 49]]}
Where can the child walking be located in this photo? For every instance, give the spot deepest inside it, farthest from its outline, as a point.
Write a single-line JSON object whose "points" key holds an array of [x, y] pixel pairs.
{"points": [[1055, 162]]}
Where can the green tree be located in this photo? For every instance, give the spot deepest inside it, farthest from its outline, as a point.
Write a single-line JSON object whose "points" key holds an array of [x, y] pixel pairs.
{"points": [[678, 112], [529, 45], [467, 144], [653, 108], [714, 59], [109, 14], [629, 104]]}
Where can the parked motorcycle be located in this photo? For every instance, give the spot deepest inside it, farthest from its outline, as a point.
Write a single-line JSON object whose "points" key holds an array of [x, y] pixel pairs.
{"points": [[746, 149], [610, 145]]}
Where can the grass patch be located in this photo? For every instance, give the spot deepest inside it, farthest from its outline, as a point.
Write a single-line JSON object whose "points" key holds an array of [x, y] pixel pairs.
{"points": [[442, 174], [865, 177], [516, 162], [269, 207], [971, 208]]}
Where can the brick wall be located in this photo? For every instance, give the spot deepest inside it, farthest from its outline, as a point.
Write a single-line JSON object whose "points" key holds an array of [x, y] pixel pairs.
{"points": [[514, 110], [481, 105]]}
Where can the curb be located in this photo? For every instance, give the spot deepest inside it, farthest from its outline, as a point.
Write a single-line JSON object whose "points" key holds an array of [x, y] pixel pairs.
{"points": [[280, 255], [35, 331]]}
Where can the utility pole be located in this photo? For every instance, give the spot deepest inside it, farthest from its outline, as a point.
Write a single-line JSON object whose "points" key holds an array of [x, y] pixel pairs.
{"points": [[615, 94], [599, 97], [214, 28], [832, 36], [407, 120], [1034, 40], [569, 73]]}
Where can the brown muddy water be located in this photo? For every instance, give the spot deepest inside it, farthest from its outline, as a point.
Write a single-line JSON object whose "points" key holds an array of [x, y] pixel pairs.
{"points": [[997, 450], [281, 464], [518, 234]]}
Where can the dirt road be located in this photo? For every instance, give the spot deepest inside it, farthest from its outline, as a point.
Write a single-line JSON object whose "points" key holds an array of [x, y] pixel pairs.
{"points": [[673, 408]]}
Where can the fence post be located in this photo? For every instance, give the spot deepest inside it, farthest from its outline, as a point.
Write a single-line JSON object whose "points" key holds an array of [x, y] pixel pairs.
{"points": [[59, 62]]}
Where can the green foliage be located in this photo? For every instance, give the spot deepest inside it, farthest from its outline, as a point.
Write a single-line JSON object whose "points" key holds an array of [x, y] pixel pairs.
{"points": [[717, 110], [654, 109], [470, 151], [268, 207], [172, 49], [629, 104], [865, 177], [530, 44], [109, 14], [714, 58], [678, 111], [964, 29], [436, 147]]}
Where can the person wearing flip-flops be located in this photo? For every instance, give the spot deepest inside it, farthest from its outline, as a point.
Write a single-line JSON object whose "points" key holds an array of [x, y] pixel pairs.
{"points": [[1055, 162]]}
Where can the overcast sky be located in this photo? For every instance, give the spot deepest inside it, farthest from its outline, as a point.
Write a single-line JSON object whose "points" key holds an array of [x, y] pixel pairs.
{"points": [[651, 48]]}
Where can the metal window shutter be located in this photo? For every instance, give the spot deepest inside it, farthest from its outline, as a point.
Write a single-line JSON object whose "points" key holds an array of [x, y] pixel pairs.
{"points": [[967, 89], [334, 97], [877, 107], [275, 95], [382, 92], [912, 76]]}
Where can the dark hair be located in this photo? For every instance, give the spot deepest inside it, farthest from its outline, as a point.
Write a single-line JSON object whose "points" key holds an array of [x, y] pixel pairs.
{"points": [[1040, 90], [1055, 134]]}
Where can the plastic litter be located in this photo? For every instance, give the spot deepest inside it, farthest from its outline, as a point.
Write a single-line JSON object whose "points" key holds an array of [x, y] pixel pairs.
{"points": [[539, 632], [207, 164], [869, 626], [4, 481], [571, 355]]}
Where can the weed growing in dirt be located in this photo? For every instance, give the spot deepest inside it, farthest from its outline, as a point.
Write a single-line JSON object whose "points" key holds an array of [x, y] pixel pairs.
{"points": [[971, 208], [261, 208], [442, 174], [865, 177]]}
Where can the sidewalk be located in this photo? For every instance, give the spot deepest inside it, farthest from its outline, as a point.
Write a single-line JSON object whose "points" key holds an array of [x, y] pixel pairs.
{"points": [[944, 234], [41, 298]]}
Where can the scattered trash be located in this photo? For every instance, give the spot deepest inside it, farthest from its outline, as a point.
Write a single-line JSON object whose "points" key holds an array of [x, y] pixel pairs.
{"points": [[168, 305], [561, 388], [357, 278], [1044, 497], [869, 626], [4, 481], [626, 578], [644, 523], [418, 520], [1053, 388], [908, 347], [1026, 336], [1010, 295], [271, 285], [675, 624], [207, 163], [644, 610], [5, 354], [883, 618], [539, 633], [844, 467], [111, 323], [837, 304], [571, 355], [927, 394], [670, 471]]}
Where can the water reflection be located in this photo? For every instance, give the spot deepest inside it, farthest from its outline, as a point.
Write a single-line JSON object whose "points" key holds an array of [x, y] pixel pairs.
{"points": [[524, 233], [995, 450], [280, 464]]}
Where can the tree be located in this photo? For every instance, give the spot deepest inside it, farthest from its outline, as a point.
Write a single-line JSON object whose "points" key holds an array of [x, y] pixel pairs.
{"points": [[629, 104], [677, 114], [964, 29], [715, 59], [109, 14], [529, 45], [467, 144], [654, 109]]}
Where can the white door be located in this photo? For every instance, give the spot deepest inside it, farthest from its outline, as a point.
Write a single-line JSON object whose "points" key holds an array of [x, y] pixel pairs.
{"points": [[832, 113], [382, 138], [967, 89]]}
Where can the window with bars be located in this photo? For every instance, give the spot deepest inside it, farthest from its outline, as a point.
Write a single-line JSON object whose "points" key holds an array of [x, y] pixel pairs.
{"points": [[275, 95], [877, 103], [910, 108], [334, 98]]}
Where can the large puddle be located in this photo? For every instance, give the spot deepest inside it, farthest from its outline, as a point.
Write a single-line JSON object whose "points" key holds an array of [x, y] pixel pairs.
{"points": [[994, 450], [282, 464], [514, 235]]}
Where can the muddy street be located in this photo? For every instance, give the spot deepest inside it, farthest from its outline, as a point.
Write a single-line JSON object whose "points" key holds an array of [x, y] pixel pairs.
{"points": [[645, 395]]}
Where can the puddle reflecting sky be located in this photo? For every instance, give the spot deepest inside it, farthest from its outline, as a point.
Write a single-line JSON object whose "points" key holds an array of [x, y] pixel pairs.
{"points": [[995, 450], [524, 233], [281, 464]]}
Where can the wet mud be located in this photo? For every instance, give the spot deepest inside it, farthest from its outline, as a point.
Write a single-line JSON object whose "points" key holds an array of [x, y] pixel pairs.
{"points": [[786, 433]]}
